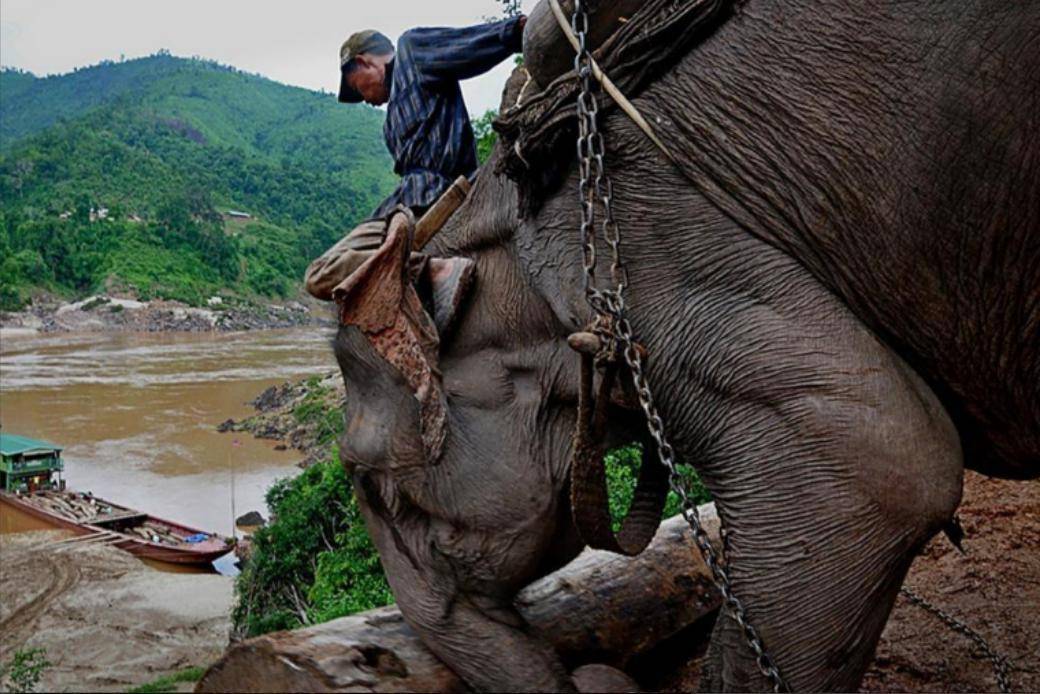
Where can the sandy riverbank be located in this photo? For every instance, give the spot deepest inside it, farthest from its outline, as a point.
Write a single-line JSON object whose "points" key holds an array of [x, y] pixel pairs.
{"points": [[108, 621]]}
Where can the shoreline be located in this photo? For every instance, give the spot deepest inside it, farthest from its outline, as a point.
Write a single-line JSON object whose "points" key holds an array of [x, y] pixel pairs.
{"points": [[300, 414], [109, 313]]}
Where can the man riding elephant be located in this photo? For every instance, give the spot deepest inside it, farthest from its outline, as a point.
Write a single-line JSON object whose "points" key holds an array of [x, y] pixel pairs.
{"points": [[427, 129]]}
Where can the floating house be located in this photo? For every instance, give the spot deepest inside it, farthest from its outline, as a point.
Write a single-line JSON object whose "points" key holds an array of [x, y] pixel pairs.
{"points": [[28, 465]]}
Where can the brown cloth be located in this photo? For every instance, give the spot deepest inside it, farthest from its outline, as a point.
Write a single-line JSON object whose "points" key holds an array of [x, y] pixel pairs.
{"points": [[539, 135], [346, 256], [443, 282]]}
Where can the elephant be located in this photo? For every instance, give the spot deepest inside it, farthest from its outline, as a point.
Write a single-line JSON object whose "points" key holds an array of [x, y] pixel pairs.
{"points": [[838, 285]]}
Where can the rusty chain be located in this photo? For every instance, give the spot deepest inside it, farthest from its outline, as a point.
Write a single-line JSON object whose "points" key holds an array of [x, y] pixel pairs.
{"points": [[998, 662], [609, 305]]}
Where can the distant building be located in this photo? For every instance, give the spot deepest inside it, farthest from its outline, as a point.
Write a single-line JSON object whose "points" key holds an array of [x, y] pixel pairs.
{"points": [[237, 214], [28, 465]]}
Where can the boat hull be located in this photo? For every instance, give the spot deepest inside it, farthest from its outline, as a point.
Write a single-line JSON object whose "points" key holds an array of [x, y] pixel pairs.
{"points": [[199, 553]]}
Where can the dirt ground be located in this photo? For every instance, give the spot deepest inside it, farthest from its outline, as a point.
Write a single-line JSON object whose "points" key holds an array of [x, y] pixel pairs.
{"points": [[994, 588], [108, 621]]}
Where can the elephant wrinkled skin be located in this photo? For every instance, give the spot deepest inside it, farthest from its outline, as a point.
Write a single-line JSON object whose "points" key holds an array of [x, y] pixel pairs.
{"points": [[840, 293]]}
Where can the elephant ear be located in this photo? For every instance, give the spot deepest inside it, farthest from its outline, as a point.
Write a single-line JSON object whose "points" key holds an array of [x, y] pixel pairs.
{"points": [[450, 281], [380, 299]]}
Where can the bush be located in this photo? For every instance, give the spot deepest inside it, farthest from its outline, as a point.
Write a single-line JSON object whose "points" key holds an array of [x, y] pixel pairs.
{"points": [[622, 472], [320, 413], [350, 579], [314, 561], [18, 273], [12, 298], [23, 672], [168, 683]]}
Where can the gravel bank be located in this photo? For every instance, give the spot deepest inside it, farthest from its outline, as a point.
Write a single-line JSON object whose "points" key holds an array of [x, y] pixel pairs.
{"points": [[102, 313]]}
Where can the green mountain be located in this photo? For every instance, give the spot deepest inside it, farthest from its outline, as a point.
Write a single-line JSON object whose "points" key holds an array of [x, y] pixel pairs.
{"points": [[166, 147]]}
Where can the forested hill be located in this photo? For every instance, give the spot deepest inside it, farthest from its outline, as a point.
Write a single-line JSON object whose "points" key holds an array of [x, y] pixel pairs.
{"points": [[121, 176]]}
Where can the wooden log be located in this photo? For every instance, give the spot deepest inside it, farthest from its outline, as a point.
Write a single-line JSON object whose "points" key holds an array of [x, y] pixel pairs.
{"points": [[548, 54], [599, 608]]}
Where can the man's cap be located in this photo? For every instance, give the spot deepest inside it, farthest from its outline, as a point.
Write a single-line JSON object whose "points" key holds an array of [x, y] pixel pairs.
{"points": [[368, 41]]}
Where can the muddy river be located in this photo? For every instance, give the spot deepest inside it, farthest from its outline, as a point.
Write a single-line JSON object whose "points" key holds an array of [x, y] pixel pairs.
{"points": [[137, 414]]}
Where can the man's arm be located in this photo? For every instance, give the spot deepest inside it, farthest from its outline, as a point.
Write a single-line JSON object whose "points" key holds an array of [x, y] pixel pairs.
{"points": [[457, 54]]}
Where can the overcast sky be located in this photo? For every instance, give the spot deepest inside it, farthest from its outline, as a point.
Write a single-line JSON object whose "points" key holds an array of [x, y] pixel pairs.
{"points": [[295, 42]]}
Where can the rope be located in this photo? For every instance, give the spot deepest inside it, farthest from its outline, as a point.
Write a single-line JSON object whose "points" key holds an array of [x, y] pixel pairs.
{"points": [[590, 505], [523, 90], [610, 88]]}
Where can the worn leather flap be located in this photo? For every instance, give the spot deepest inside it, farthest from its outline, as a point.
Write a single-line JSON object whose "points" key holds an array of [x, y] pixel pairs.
{"points": [[380, 299]]}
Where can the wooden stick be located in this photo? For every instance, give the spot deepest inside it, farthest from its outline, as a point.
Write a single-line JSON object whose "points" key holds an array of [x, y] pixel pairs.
{"points": [[438, 215]]}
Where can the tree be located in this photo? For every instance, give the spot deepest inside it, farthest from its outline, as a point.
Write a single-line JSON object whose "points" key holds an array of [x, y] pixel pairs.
{"points": [[485, 134], [510, 8]]}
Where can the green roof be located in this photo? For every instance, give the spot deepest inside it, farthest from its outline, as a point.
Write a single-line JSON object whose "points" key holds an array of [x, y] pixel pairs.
{"points": [[10, 444]]}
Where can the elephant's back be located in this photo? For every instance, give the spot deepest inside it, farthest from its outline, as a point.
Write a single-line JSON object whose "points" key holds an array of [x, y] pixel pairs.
{"points": [[895, 155], [952, 278]]}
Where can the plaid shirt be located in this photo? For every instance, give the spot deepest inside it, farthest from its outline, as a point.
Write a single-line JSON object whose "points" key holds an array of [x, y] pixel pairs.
{"points": [[427, 126]]}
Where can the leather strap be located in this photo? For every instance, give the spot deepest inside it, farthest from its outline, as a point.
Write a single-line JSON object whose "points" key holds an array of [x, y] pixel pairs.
{"points": [[589, 496]]}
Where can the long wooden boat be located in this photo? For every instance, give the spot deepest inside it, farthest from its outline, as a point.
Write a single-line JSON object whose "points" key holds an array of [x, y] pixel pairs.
{"points": [[95, 519]]}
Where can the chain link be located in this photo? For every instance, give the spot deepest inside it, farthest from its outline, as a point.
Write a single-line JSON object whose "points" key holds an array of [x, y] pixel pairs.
{"points": [[999, 662], [609, 305]]}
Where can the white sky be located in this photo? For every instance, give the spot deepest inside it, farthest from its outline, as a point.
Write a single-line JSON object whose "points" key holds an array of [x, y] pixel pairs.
{"points": [[293, 42]]}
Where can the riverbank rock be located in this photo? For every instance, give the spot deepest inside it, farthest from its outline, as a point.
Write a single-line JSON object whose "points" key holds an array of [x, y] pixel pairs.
{"points": [[253, 519], [104, 313], [299, 414]]}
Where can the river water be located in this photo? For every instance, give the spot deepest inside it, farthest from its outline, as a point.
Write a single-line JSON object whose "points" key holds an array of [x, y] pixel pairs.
{"points": [[137, 413]]}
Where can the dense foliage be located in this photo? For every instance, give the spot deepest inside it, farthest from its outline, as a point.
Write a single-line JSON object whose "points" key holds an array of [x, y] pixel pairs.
{"points": [[314, 561], [162, 144]]}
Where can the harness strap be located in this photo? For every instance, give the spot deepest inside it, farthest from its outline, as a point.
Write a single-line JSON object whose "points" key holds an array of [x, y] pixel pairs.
{"points": [[590, 506], [610, 88]]}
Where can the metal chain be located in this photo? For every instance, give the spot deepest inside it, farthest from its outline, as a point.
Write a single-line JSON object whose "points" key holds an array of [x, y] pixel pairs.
{"points": [[999, 662], [610, 305]]}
